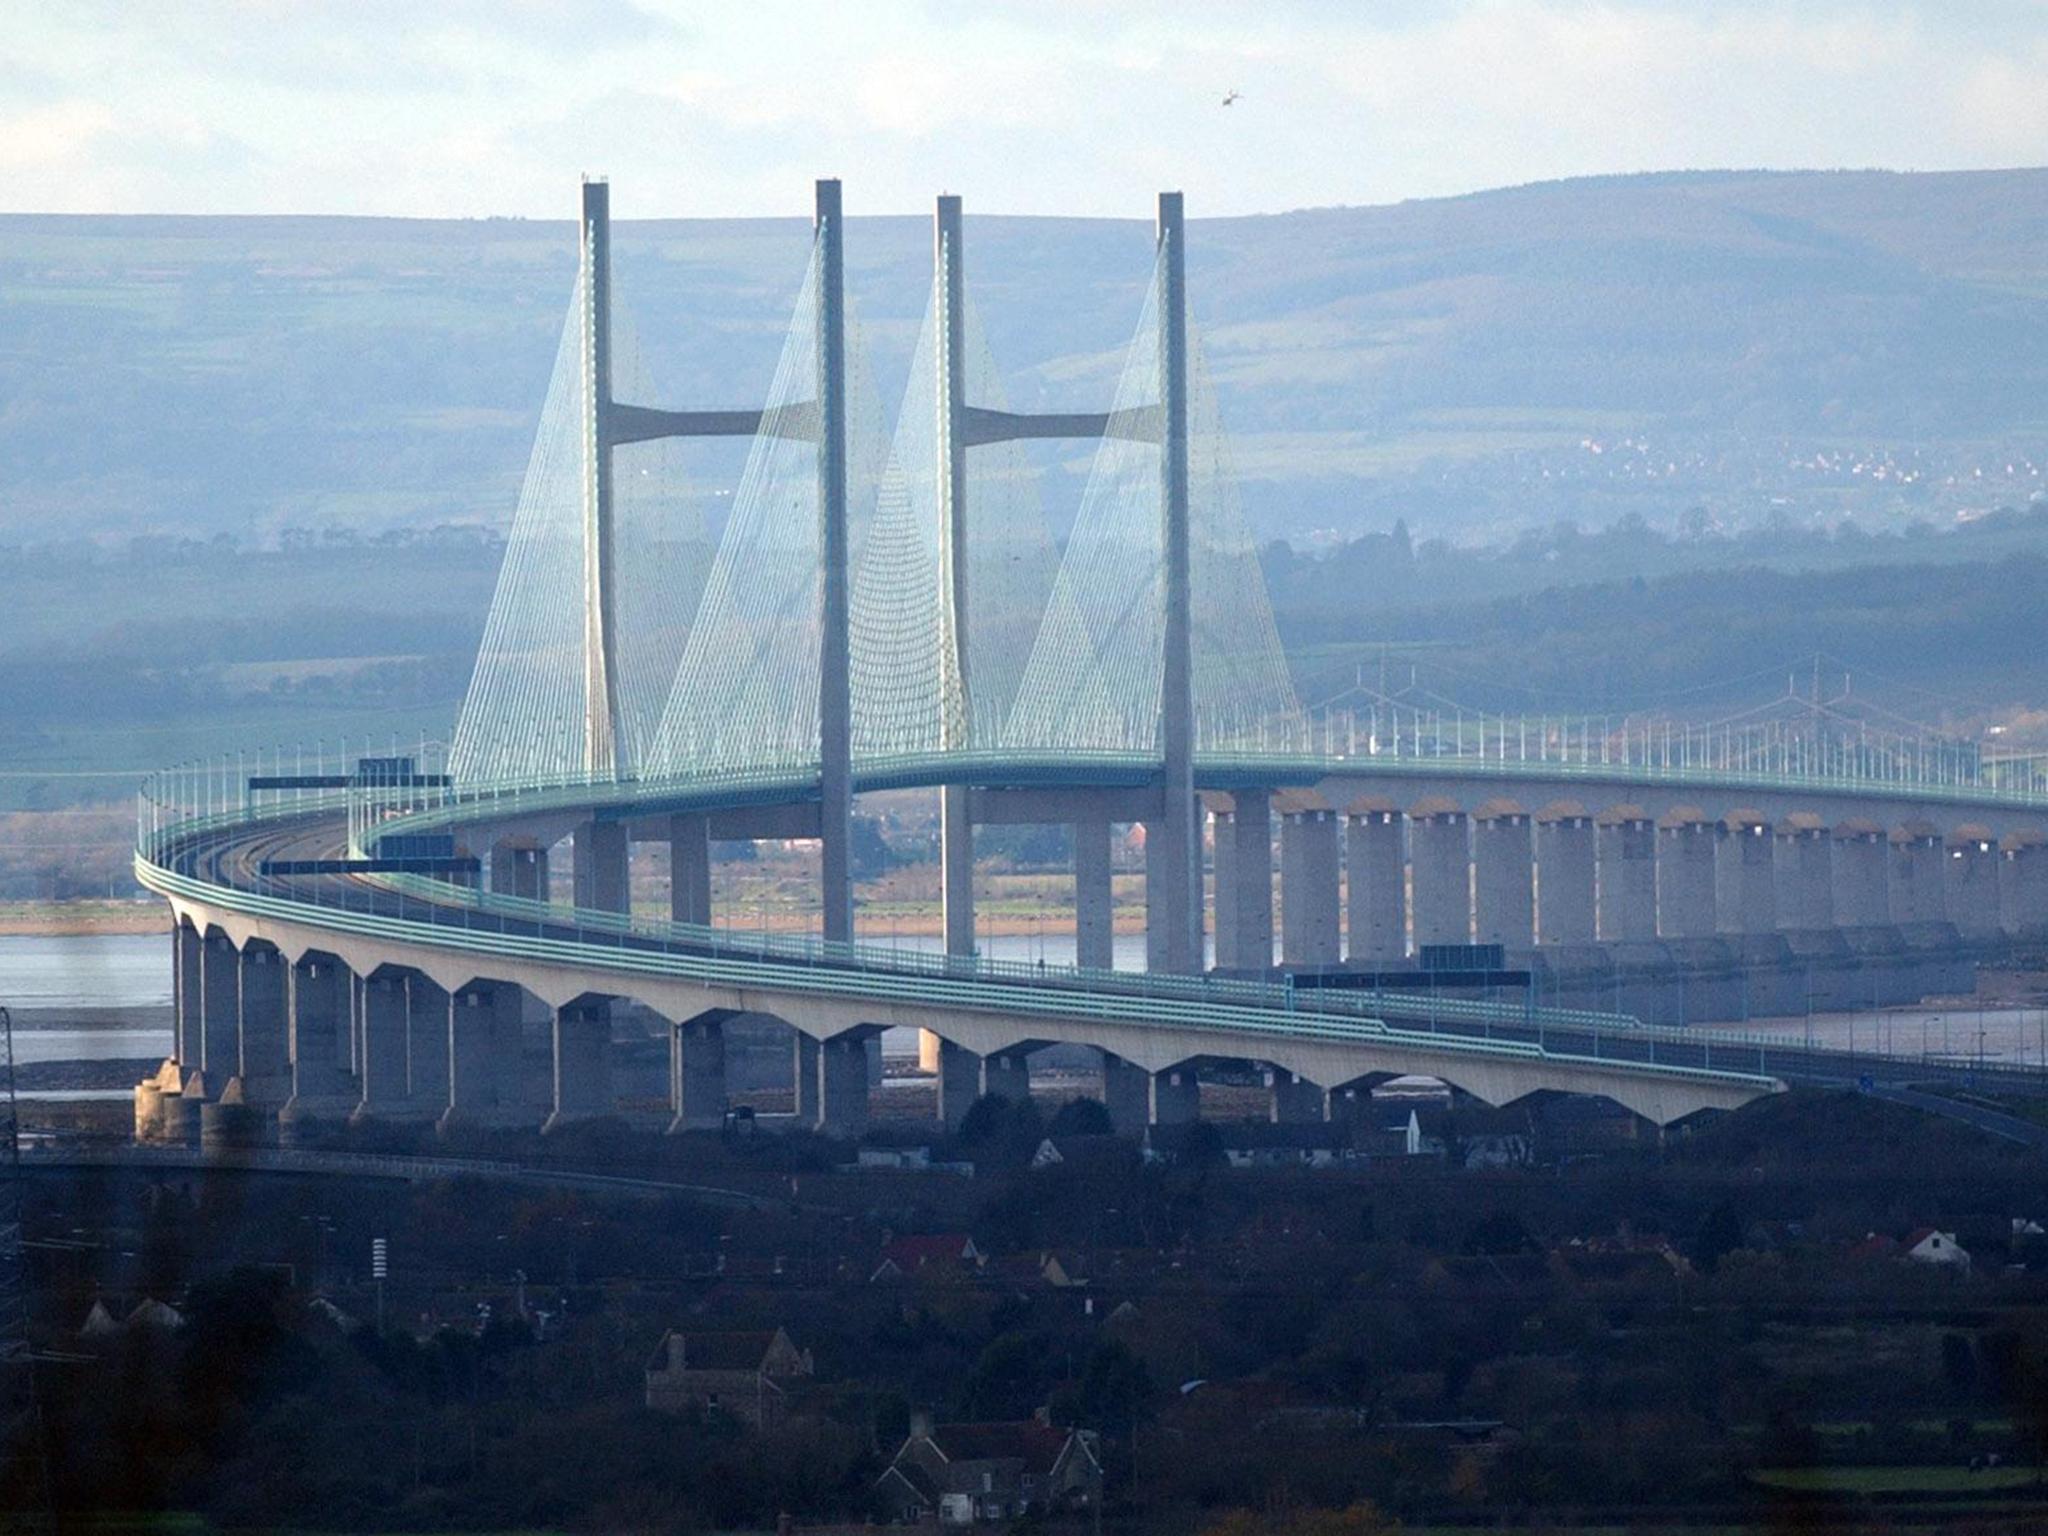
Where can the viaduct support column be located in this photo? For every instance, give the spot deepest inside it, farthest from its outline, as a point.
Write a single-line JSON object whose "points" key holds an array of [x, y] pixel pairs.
{"points": [[1625, 842], [835, 686], [843, 1083], [1296, 1100], [602, 867], [220, 1045], [1225, 829], [1919, 892], [1309, 882], [1126, 1094], [689, 870], [485, 1061], [1564, 877], [2023, 888], [1172, 892], [319, 1013], [1176, 1096], [1376, 916], [1443, 875], [582, 1062], [263, 1047], [696, 1090], [1503, 885], [959, 1082], [519, 870], [1861, 896], [384, 1029], [1685, 877], [1805, 873], [428, 1030], [1251, 880], [1973, 904], [1094, 900], [1745, 880], [188, 976]]}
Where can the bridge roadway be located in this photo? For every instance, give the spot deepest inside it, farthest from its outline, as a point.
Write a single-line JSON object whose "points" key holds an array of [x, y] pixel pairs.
{"points": [[424, 1029]]}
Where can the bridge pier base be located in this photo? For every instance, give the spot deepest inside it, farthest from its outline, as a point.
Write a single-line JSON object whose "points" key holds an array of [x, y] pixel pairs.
{"points": [[484, 1056], [696, 1060], [582, 1062], [1376, 916], [1126, 1094], [1503, 882], [1094, 899], [318, 1012], [1310, 882], [1176, 1096]]}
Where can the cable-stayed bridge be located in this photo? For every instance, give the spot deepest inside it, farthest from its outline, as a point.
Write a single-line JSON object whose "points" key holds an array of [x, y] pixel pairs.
{"points": [[883, 608]]}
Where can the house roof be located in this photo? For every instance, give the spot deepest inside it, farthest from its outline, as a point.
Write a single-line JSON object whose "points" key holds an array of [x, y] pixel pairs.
{"points": [[740, 1350], [908, 1253], [1036, 1445]]}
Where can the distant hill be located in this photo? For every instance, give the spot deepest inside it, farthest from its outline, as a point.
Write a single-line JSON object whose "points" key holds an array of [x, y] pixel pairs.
{"points": [[1795, 346]]}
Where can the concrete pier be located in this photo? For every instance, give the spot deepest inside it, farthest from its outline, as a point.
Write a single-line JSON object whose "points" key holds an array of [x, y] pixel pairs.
{"points": [[1126, 1094], [317, 1004], [1251, 879], [843, 1083], [1176, 1096], [1803, 854], [1919, 879], [383, 1041], [1565, 883], [601, 866], [2023, 885], [1973, 904], [1503, 876], [1376, 897], [959, 1083], [804, 1078], [485, 1060], [956, 870], [1094, 900], [519, 869], [1745, 876], [264, 1033], [1310, 888], [427, 1036], [689, 866], [1625, 852], [1295, 1100], [1862, 892], [1686, 845], [188, 998], [220, 1034], [1007, 1075], [1442, 862], [582, 1062], [696, 1069], [1223, 859]]}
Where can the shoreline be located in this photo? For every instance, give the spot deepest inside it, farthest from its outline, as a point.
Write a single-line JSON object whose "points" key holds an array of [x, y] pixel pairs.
{"points": [[81, 919]]}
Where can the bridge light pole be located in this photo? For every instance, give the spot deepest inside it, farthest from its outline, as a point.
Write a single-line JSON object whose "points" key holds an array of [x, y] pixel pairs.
{"points": [[600, 674], [1171, 887], [835, 688]]}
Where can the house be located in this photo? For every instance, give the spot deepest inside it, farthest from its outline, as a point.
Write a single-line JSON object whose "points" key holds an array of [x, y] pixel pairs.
{"points": [[966, 1474], [1927, 1246], [746, 1376], [942, 1253]]}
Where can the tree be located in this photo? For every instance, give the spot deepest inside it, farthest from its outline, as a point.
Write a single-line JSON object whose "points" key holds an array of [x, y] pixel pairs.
{"points": [[1081, 1117], [1720, 1234]]}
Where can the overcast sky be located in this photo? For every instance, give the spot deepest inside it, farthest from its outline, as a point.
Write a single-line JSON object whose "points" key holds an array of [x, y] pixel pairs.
{"points": [[474, 107]]}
